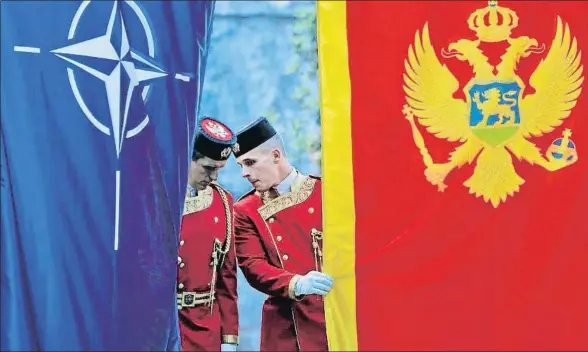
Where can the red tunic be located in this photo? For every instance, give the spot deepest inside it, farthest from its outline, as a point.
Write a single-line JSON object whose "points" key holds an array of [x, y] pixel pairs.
{"points": [[204, 325], [274, 243]]}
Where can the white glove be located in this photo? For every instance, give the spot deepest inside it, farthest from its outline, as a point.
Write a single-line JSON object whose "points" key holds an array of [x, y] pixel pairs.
{"points": [[313, 283], [228, 347]]}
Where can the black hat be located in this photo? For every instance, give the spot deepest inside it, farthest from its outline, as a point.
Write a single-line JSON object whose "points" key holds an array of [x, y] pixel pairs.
{"points": [[214, 139], [253, 135]]}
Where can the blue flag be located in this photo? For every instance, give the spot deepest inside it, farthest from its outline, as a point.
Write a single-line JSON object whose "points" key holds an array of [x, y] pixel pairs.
{"points": [[99, 103]]}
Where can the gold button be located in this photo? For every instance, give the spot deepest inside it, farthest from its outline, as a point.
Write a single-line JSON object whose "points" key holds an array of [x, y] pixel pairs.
{"points": [[271, 220], [179, 307], [310, 210], [181, 286], [181, 242], [182, 265], [215, 220], [285, 257], [279, 238], [179, 260]]}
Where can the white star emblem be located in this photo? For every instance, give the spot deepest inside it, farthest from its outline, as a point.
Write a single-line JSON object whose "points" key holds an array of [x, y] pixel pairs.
{"points": [[123, 77], [119, 72]]}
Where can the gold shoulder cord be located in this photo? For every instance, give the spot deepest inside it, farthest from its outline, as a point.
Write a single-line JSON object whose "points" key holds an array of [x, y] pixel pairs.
{"points": [[219, 251], [229, 228]]}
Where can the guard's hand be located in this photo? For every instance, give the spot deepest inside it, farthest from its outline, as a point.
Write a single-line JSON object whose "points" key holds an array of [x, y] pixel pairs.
{"points": [[313, 283], [228, 347]]}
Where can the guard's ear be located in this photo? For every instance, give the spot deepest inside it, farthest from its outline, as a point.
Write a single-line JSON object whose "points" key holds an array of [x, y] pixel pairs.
{"points": [[276, 155]]}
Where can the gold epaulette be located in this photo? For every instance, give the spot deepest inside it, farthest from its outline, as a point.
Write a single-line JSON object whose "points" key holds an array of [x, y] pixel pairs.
{"points": [[300, 193], [195, 204]]}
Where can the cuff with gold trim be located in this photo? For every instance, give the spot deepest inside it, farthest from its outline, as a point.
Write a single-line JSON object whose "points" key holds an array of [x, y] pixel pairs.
{"points": [[231, 339], [292, 288]]}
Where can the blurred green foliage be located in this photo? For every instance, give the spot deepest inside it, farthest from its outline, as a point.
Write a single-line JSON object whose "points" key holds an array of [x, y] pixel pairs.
{"points": [[302, 138], [305, 66]]}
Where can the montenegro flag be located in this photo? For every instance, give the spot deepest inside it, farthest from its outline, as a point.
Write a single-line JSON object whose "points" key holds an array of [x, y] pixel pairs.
{"points": [[455, 184]]}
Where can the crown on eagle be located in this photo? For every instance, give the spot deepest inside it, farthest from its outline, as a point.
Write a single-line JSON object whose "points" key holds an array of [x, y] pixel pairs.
{"points": [[493, 23]]}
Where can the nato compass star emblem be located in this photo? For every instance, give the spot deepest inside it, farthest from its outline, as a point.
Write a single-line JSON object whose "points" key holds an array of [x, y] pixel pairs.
{"points": [[128, 70]]}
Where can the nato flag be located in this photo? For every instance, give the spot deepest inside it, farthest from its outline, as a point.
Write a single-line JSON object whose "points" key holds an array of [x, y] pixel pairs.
{"points": [[99, 103]]}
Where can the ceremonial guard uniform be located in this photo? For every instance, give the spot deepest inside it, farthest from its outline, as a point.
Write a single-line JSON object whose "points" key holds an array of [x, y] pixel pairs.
{"points": [[278, 239], [207, 271]]}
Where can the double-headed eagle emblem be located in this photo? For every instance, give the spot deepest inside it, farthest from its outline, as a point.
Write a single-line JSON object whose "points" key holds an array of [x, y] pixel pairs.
{"points": [[496, 119]]}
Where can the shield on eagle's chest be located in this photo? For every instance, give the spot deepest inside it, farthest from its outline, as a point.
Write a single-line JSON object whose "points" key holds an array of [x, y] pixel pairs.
{"points": [[494, 110]]}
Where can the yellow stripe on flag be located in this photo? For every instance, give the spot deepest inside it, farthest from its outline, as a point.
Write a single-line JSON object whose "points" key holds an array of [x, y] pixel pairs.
{"points": [[337, 170]]}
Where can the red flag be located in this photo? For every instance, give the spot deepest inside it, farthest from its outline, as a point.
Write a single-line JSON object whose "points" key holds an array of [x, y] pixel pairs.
{"points": [[455, 187]]}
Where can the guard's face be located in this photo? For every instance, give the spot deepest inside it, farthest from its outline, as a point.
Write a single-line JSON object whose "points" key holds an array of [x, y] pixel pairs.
{"points": [[203, 172], [260, 168]]}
